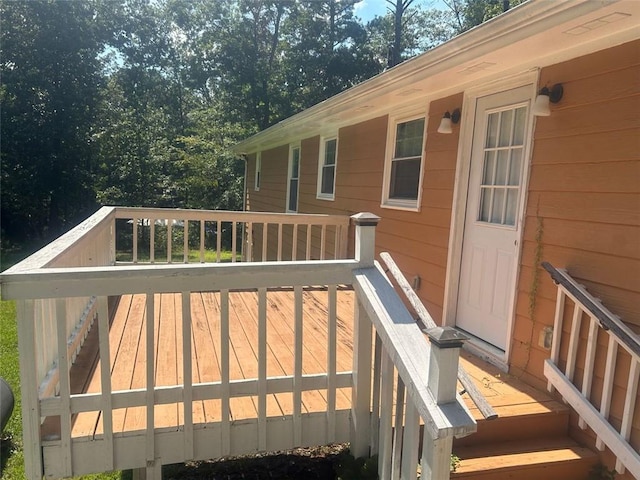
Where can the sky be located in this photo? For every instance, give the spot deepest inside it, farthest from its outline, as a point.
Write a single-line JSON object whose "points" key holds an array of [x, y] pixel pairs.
{"points": [[367, 9]]}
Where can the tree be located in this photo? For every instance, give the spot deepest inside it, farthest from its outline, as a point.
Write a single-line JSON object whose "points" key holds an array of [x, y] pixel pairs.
{"points": [[50, 80], [421, 31], [470, 13]]}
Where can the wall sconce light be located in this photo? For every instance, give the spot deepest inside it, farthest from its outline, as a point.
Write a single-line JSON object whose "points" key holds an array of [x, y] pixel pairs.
{"points": [[447, 120], [546, 96]]}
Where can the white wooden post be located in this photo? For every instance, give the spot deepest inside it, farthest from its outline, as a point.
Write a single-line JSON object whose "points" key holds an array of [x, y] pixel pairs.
{"points": [[365, 224], [443, 377]]}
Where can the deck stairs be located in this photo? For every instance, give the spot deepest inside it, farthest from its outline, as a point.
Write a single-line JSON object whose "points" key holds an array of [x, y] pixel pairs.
{"points": [[528, 441]]}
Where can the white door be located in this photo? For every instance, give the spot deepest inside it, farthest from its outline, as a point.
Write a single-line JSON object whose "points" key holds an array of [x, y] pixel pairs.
{"points": [[492, 225]]}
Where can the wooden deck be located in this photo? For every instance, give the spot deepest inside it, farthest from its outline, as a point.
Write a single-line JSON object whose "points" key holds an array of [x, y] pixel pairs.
{"points": [[128, 358], [128, 354]]}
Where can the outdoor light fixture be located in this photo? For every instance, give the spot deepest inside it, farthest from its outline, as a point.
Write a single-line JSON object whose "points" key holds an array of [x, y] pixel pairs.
{"points": [[546, 95], [447, 120]]}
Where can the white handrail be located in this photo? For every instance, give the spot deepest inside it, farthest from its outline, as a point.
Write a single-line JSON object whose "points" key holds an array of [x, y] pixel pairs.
{"points": [[583, 400], [403, 346]]}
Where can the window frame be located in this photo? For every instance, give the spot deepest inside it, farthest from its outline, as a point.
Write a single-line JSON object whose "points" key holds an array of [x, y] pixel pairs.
{"points": [[321, 166], [292, 148], [258, 172], [392, 128]]}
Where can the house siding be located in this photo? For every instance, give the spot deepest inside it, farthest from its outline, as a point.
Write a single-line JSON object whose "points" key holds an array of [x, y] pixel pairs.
{"points": [[583, 209]]}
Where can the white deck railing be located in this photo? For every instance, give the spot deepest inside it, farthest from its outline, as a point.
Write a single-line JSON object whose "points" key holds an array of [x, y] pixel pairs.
{"points": [[430, 397], [166, 236], [620, 341]]}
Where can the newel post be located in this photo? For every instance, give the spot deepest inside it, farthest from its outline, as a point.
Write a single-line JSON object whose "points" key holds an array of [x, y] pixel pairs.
{"points": [[365, 224], [446, 343]]}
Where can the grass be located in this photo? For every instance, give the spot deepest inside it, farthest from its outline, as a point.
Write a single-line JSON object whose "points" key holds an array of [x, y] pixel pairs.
{"points": [[177, 256], [11, 454]]}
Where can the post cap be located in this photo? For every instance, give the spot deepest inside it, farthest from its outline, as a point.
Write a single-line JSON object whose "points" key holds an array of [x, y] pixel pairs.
{"points": [[365, 219], [446, 337]]}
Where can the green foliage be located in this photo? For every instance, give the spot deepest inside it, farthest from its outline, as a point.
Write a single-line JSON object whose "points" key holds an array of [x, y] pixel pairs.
{"points": [[351, 468], [454, 463], [129, 102]]}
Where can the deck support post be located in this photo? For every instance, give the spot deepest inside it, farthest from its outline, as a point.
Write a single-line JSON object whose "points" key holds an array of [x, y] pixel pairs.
{"points": [[446, 343], [365, 224]]}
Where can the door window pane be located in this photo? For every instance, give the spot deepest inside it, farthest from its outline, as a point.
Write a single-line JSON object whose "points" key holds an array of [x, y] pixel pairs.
{"points": [[512, 206], [506, 126], [489, 167], [502, 165], [520, 123], [492, 130], [497, 206], [516, 166]]}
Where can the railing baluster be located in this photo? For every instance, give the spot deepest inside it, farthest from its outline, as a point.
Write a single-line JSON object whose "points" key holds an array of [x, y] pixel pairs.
{"points": [[187, 375], [65, 391], [375, 415], [27, 348], [234, 241], [309, 228], [294, 245], [279, 256], [135, 240], [336, 242], [218, 240], [629, 406], [262, 369], [152, 240], [105, 382], [396, 455], [590, 356], [297, 369], [332, 321], [574, 339], [323, 240], [607, 386], [265, 232], [386, 408], [150, 378], [202, 233], [557, 331], [410, 442], [225, 430], [169, 240], [249, 256], [185, 242]]}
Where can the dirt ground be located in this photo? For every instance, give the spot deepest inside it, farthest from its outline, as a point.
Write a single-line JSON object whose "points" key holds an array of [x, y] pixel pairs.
{"points": [[319, 463]]}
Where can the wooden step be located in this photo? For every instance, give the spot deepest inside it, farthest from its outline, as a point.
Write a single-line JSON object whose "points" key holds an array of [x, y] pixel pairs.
{"points": [[518, 420], [543, 458]]}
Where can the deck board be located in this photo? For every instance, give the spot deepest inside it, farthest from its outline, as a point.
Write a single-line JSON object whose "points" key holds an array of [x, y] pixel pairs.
{"points": [[128, 354]]}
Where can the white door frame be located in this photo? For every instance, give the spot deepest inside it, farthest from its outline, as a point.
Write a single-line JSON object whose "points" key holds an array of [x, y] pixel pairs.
{"points": [[458, 213]]}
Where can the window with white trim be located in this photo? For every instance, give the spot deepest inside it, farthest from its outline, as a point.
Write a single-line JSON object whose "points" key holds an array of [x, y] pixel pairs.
{"points": [[256, 187], [293, 178], [403, 169], [327, 168]]}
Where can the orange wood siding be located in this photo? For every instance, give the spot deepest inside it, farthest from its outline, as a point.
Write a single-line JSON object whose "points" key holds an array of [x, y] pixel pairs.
{"points": [[273, 184], [418, 241], [583, 208]]}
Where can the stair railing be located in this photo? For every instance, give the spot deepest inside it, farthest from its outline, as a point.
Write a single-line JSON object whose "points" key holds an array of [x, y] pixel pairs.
{"points": [[621, 341], [414, 381]]}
